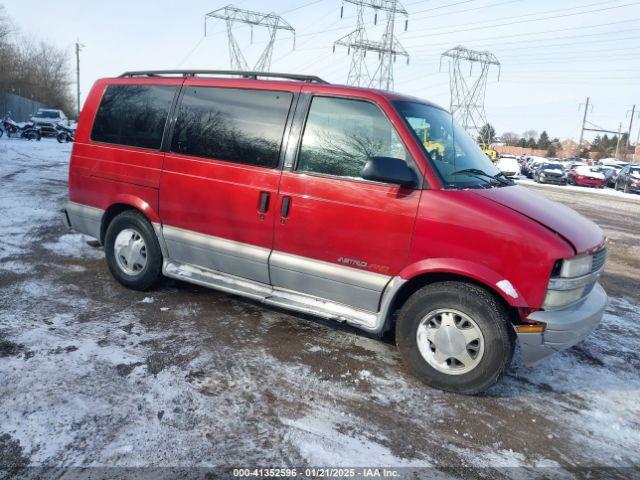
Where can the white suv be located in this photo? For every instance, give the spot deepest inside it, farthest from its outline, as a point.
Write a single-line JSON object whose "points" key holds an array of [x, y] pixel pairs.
{"points": [[48, 119]]}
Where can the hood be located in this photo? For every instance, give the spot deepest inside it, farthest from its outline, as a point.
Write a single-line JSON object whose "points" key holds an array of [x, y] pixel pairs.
{"points": [[580, 232]]}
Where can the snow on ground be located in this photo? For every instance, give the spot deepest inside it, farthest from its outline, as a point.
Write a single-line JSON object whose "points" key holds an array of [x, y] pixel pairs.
{"points": [[610, 192], [35, 170], [97, 375]]}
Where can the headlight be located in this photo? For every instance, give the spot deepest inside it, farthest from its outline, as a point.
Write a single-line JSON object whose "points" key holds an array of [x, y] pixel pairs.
{"points": [[572, 279], [542, 174], [561, 298], [576, 267]]}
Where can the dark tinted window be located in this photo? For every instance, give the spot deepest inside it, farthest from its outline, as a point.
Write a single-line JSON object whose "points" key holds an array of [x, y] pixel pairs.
{"points": [[243, 126], [133, 115], [342, 134]]}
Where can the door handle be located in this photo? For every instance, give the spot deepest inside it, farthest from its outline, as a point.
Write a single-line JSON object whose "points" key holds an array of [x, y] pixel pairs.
{"points": [[263, 203], [284, 209]]}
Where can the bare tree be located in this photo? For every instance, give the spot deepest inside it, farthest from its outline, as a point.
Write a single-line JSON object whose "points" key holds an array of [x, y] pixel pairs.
{"points": [[510, 138], [530, 135], [35, 70]]}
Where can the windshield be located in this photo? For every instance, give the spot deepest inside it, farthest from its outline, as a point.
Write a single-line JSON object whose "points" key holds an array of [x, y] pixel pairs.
{"points": [[457, 158], [47, 114], [552, 166]]}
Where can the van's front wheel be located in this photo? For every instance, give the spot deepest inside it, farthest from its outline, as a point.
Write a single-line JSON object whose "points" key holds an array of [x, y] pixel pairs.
{"points": [[133, 252], [455, 336]]}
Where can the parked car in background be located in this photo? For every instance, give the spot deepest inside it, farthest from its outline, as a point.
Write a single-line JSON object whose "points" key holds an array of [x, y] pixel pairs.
{"points": [[47, 121], [533, 164], [610, 174], [509, 166], [572, 165], [586, 176], [628, 179], [238, 184], [550, 173], [610, 181], [611, 162]]}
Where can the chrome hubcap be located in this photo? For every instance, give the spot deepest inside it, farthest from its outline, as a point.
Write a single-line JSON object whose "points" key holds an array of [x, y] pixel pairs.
{"points": [[450, 341], [130, 251]]}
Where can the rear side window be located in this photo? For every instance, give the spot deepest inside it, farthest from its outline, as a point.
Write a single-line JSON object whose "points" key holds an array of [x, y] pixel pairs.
{"points": [[133, 115], [241, 126]]}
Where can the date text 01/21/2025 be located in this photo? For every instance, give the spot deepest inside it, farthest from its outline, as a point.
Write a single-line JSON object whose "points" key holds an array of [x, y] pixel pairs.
{"points": [[316, 473]]}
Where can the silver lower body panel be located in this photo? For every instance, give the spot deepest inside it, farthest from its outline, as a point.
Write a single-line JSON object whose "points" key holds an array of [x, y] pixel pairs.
{"points": [[270, 295], [83, 219], [217, 254], [344, 285]]}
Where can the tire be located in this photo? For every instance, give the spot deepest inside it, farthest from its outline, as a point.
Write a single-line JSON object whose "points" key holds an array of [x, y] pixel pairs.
{"points": [[494, 349], [61, 137], [137, 276]]}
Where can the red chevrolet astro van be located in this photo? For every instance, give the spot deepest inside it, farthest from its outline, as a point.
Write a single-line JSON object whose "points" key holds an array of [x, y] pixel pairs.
{"points": [[363, 206]]}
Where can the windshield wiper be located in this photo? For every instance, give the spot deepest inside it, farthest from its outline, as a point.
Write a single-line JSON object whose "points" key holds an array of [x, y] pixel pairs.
{"points": [[482, 175], [505, 180]]}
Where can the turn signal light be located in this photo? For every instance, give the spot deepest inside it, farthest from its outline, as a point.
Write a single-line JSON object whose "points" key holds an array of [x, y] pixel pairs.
{"points": [[529, 328]]}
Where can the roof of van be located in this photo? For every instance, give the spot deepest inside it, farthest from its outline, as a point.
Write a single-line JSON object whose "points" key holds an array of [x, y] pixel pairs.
{"points": [[285, 78]]}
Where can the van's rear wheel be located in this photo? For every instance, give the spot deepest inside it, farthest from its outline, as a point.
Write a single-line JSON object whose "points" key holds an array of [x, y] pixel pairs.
{"points": [[455, 336], [133, 252]]}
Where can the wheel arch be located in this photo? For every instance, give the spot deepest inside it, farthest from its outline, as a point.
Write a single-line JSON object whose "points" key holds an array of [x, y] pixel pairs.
{"points": [[416, 278], [122, 204]]}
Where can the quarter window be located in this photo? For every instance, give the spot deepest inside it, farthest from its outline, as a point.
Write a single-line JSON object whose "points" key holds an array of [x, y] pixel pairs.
{"points": [[342, 134], [133, 115], [242, 126]]}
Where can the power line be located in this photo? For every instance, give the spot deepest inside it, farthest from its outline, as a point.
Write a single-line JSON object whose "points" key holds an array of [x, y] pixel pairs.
{"points": [[526, 14], [550, 31], [301, 6], [484, 27], [541, 42]]}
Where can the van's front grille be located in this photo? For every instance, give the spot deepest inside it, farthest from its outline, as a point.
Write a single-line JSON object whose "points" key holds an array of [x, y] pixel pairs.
{"points": [[599, 258]]}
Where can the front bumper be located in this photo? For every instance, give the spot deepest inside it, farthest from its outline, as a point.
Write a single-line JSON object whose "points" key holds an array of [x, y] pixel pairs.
{"points": [[564, 327], [590, 183], [554, 180]]}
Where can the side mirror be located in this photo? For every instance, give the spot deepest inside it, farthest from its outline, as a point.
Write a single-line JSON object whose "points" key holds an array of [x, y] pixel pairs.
{"points": [[389, 170]]}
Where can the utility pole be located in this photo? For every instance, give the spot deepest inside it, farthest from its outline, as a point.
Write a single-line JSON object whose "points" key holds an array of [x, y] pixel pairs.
{"points": [[79, 47], [635, 150], [618, 142], [626, 143], [584, 124]]}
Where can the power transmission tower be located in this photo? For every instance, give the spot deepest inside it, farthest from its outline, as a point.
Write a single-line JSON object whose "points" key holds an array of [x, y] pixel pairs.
{"points": [[79, 47], [388, 47], [271, 21], [468, 94]]}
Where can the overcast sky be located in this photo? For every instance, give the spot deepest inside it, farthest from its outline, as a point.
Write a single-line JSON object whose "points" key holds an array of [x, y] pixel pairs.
{"points": [[553, 53]]}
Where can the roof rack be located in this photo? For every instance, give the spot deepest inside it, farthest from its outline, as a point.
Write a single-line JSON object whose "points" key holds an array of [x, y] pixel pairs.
{"points": [[243, 74]]}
